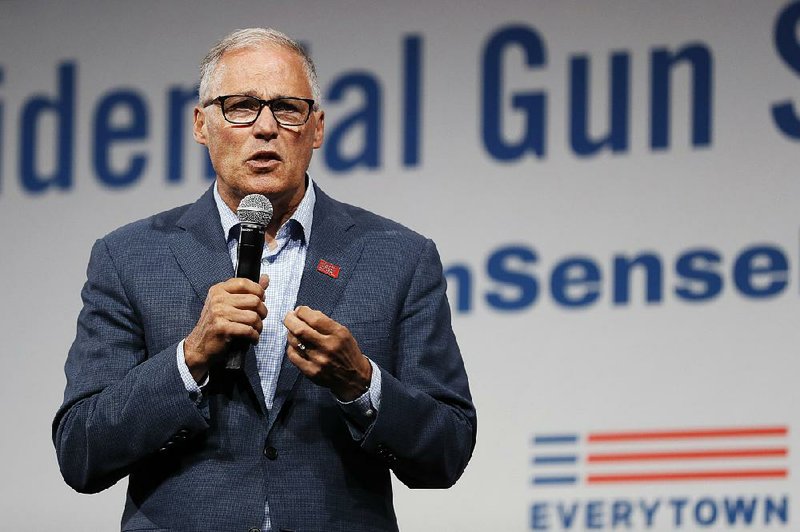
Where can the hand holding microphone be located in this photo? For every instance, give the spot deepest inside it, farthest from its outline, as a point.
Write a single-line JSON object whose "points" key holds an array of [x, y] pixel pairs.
{"points": [[233, 312], [255, 213]]}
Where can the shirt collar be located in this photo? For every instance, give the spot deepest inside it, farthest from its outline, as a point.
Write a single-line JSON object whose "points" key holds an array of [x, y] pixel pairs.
{"points": [[303, 214]]}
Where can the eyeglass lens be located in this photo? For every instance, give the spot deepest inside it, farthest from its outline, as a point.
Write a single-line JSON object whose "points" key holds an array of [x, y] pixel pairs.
{"points": [[245, 109]]}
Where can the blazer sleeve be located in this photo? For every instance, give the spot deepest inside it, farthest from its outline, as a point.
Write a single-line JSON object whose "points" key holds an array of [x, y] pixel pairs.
{"points": [[426, 427], [121, 403]]}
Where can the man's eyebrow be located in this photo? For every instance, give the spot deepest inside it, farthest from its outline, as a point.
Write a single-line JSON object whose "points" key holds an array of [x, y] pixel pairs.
{"points": [[257, 94]]}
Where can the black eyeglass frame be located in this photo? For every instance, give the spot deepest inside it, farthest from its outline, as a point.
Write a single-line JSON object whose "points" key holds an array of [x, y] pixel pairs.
{"points": [[262, 103]]}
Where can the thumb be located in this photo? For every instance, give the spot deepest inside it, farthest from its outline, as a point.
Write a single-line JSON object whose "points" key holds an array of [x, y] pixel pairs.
{"points": [[264, 281]]}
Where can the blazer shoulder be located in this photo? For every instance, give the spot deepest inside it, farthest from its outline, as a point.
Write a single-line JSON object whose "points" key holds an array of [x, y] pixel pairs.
{"points": [[146, 229], [371, 223]]}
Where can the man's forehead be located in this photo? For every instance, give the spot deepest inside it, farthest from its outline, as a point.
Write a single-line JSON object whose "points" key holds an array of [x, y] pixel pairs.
{"points": [[268, 53], [274, 66]]}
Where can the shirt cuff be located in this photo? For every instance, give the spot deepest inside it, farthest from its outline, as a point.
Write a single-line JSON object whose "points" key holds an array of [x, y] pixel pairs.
{"points": [[194, 390], [362, 411]]}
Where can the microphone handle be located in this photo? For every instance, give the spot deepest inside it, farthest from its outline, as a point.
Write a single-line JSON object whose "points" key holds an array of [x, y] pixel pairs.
{"points": [[248, 265]]}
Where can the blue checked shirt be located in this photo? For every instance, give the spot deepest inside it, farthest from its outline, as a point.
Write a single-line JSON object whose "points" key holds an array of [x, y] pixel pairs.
{"points": [[284, 265]]}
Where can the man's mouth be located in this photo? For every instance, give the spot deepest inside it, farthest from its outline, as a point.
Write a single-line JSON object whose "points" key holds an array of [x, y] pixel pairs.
{"points": [[264, 159]]}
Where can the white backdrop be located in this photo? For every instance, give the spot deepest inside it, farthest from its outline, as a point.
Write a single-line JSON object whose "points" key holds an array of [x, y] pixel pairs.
{"points": [[529, 232]]}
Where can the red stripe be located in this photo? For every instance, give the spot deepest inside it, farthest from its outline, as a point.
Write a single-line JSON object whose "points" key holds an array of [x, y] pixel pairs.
{"points": [[688, 455], [747, 432], [688, 475]]}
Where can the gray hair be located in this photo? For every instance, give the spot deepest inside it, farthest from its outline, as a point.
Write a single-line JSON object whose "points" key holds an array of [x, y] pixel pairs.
{"points": [[248, 38]]}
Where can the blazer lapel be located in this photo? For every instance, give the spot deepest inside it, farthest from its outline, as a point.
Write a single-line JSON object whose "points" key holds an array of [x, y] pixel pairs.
{"points": [[201, 250], [334, 239]]}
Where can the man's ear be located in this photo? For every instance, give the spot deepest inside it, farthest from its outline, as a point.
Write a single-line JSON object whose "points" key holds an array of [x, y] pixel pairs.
{"points": [[319, 130], [199, 127]]}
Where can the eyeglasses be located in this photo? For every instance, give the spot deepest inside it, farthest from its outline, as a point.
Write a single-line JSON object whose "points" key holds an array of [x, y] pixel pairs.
{"points": [[245, 110]]}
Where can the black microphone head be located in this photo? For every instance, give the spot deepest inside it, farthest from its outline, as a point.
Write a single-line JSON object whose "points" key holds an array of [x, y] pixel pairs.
{"points": [[255, 209]]}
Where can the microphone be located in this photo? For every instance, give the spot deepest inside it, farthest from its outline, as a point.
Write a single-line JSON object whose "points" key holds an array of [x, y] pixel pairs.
{"points": [[255, 212]]}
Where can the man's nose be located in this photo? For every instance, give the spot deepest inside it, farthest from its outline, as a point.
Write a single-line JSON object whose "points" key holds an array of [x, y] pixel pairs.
{"points": [[265, 125]]}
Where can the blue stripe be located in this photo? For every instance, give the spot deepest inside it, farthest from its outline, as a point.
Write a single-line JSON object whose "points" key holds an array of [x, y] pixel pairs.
{"points": [[555, 438], [555, 480], [562, 459]]}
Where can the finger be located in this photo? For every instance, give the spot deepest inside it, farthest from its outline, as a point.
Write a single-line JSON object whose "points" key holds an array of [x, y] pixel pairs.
{"points": [[317, 320], [234, 329], [294, 343], [246, 302], [302, 330], [243, 301], [263, 281], [292, 340], [240, 285], [262, 311], [293, 351], [306, 367], [250, 318]]}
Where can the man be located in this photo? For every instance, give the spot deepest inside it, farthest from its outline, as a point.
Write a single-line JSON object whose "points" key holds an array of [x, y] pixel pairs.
{"points": [[355, 369]]}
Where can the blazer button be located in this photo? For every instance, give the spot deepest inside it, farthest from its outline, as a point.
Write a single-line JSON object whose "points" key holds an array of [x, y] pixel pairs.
{"points": [[254, 529], [167, 446], [270, 452]]}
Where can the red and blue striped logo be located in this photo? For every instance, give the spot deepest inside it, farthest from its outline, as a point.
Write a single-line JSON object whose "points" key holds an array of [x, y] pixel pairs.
{"points": [[660, 456]]}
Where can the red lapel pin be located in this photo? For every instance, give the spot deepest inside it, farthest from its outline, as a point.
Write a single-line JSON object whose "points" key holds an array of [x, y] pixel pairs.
{"points": [[328, 269]]}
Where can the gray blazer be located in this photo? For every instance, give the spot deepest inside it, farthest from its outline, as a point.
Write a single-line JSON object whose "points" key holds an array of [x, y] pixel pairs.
{"points": [[211, 466]]}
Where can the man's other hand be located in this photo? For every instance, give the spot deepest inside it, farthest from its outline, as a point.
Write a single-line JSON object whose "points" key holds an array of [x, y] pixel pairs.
{"points": [[331, 357]]}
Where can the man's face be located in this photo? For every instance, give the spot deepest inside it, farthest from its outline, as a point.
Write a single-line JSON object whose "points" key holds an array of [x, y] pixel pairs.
{"points": [[264, 157]]}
